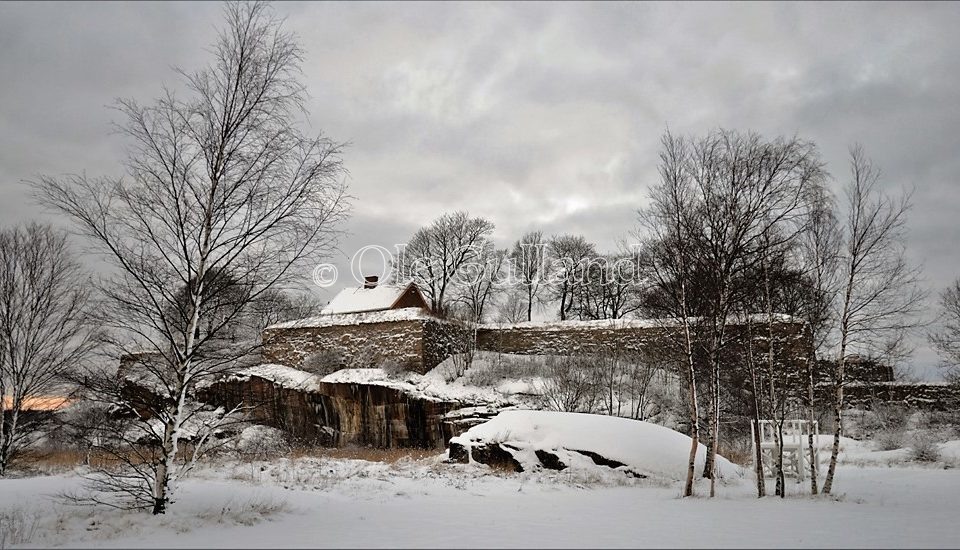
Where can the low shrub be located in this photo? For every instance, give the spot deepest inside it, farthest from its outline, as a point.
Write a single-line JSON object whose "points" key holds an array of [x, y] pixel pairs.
{"points": [[395, 369], [924, 447], [258, 442], [889, 440], [495, 368], [323, 362], [942, 420], [17, 527]]}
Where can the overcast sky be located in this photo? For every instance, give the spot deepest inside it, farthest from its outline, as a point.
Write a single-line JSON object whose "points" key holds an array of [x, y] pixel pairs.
{"points": [[536, 116]]}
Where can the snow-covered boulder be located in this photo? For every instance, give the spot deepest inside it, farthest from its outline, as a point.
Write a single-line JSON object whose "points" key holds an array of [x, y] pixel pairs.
{"points": [[521, 440]]}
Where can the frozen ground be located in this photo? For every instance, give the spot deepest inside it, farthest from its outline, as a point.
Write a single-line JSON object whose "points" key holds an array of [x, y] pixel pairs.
{"points": [[313, 502]]}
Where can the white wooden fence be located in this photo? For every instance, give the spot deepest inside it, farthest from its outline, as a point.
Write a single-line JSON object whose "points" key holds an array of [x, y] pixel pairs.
{"points": [[796, 452]]}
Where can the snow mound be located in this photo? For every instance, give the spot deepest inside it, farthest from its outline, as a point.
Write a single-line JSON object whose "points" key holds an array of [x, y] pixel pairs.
{"points": [[641, 447]]}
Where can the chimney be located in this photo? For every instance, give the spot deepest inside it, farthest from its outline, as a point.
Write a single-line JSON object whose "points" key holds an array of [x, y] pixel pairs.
{"points": [[370, 281]]}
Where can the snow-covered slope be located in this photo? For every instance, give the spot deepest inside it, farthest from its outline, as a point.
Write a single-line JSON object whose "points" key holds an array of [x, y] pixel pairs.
{"points": [[643, 447]]}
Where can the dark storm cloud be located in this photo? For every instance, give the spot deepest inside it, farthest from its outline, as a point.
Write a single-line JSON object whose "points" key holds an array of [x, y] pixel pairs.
{"points": [[534, 115]]}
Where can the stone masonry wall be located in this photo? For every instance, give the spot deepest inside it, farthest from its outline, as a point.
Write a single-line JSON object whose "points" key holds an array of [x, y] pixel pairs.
{"points": [[442, 339], [925, 396], [357, 346], [792, 340], [416, 344]]}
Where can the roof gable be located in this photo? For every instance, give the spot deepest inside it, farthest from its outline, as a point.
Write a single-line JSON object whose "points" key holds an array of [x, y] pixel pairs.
{"points": [[357, 300]]}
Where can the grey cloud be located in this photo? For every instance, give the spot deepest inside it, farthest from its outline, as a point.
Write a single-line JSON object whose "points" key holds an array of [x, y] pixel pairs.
{"points": [[536, 115]]}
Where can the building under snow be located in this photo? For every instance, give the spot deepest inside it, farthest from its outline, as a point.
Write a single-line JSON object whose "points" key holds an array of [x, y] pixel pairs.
{"points": [[369, 326], [376, 324], [373, 296]]}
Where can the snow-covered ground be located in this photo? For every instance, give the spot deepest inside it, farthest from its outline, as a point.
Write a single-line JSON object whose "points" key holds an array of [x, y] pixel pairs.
{"points": [[351, 503], [881, 499]]}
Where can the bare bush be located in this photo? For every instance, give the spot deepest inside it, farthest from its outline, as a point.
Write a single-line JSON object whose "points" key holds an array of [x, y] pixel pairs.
{"points": [[323, 362], [500, 367], [571, 384], [395, 369], [889, 440], [261, 442], [940, 420], [17, 527], [882, 418], [924, 447], [367, 357], [245, 512], [462, 361]]}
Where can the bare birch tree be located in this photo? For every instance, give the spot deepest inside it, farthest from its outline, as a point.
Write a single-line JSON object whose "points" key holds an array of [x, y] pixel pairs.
{"points": [[879, 292], [529, 262], [45, 326], [947, 340], [746, 187], [436, 255], [482, 282], [568, 254], [739, 188], [819, 246], [668, 221], [220, 183]]}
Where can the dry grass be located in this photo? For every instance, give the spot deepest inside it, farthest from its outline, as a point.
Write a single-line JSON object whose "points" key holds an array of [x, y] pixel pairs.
{"points": [[370, 454], [17, 527], [61, 460], [738, 450], [244, 512]]}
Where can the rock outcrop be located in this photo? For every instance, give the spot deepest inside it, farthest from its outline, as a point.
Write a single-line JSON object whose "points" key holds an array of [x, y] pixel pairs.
{"points": [[337, 414]]}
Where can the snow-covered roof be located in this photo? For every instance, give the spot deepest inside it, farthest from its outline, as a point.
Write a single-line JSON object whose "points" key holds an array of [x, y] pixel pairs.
{"points": [[330, 320], [358, 300]]}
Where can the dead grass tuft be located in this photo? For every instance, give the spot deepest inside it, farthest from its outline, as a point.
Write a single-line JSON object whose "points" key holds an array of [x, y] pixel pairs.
{"points": [[370, 454]]}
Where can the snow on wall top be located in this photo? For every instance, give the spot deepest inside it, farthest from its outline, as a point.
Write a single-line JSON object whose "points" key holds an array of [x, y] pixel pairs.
{"points": [[629, 323], [357, 300], [281, 375], [434, 385], [329, 320]]}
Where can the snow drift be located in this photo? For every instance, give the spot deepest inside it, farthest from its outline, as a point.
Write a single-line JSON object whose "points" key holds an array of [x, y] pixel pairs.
{"points": [[539, 437]]}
